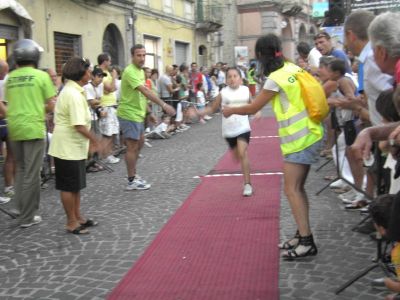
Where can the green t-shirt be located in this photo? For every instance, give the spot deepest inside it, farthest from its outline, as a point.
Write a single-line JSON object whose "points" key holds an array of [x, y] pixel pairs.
{"points": [[109, 99], [27, 90], [133, 104], [71, 110]]}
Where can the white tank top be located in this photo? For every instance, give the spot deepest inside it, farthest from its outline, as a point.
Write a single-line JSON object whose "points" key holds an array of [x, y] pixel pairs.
{"points": [[235, 124]]}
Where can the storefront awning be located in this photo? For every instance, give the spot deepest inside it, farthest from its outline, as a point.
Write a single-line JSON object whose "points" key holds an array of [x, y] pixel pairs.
{"points": [[23, 16]]}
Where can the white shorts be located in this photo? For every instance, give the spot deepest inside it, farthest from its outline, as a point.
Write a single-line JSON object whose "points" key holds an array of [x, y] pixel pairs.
{"points": [[109, 124]]}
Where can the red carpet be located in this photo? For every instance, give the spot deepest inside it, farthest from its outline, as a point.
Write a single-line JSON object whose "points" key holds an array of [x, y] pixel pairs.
{"points": [[264, 152], [264, 127], [218, 245], [264, 155]]}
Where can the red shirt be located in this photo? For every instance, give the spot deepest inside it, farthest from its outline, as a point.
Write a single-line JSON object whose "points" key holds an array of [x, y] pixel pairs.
{"points": [[148, 84]]}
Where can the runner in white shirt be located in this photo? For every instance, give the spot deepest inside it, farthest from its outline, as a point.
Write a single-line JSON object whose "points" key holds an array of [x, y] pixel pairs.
{"points": [[236, 128]]}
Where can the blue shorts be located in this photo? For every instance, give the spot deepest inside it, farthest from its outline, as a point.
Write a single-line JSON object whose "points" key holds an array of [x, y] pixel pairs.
{"points": [[131, 130], [3, 130], [306, 156]]}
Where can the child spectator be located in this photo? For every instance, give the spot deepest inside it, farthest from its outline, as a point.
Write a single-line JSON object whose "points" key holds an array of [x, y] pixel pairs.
{"points": [[164, 130], [345, 102], [236, 128], [381, 214], [200, 101], [94, 91]]}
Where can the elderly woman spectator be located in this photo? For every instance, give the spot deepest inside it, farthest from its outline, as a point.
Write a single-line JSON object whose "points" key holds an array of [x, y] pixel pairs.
{"points": [[70, 143]]}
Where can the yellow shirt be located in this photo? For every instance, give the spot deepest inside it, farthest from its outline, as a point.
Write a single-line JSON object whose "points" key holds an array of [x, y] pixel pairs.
{"points": [[71, 110], [111, 98], [395, 257]]}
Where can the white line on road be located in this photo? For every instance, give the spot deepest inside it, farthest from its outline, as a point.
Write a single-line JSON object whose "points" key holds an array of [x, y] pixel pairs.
{"points": [[239, 174], [264, 136]]}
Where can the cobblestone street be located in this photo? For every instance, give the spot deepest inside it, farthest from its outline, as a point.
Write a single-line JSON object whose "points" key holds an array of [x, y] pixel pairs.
{"points": [[44, 262]]}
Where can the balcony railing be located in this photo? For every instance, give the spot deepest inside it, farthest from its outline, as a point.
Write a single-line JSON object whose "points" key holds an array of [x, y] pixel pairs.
{"points": [[209, 16]]}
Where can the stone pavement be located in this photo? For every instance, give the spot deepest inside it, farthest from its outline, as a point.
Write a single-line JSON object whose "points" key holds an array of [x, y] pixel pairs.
{"points": [[44, 262]]}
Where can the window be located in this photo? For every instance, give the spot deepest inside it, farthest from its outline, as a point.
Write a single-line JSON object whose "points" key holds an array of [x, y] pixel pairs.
{"points": [[189, 10], [181, 53], [151, 45], [65, 47], [168, 7]]}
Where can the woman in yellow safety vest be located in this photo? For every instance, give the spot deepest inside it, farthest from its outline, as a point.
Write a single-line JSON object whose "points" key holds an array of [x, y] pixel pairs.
{"points": [[251, 73], [300, 136]]}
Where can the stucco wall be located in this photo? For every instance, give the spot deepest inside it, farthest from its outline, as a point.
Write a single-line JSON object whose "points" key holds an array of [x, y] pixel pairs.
{"points": [[249, 24], [72, 18], [170, 33]]}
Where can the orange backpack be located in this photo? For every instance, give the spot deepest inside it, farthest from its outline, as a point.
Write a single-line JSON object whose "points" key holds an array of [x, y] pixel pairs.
{"points": [[313, 96]]}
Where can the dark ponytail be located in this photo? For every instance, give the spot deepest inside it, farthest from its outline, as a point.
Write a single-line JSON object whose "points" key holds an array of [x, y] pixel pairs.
{"points": [[269, 53]]}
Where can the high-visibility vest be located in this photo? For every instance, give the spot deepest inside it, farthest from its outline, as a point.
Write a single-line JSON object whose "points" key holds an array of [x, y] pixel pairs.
{"points": [[250, 76], [296, 130]]}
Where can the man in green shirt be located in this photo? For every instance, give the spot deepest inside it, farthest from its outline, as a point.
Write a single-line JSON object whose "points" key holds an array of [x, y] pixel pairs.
{"points": [[132, 111], [29, 93]]}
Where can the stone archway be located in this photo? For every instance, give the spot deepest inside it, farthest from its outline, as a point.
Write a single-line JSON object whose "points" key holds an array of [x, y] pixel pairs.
{"points": [[313, 32], [288, 45], [113, 44], [303, 34], [202, 56]]}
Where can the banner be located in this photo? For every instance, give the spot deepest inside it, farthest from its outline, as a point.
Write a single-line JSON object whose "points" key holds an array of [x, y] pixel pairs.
{"points": [[242, 55], [337, 36], [319, 9]]}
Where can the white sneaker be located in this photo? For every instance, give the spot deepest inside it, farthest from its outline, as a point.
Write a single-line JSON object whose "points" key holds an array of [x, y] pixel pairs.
{"points": [[247, 190], [137, 185], [338, 184], [111, 159], [139, 178], [36, 220], [353, 197], [4, 200], [207, 117]]}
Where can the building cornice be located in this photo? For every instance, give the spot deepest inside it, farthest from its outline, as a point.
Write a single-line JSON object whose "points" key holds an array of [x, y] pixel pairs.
{"points": [[144, 10], [256, 6], [121, 4]]}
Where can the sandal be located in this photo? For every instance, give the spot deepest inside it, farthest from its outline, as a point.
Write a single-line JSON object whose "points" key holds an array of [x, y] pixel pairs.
{"points": [[79, 230], [92, 169], [98, 167], [357, 205], [306, 247], [89, 223], [290, 244]]}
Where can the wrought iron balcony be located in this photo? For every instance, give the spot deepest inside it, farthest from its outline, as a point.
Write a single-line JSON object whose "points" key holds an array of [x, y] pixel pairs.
{"points": [[209, 16]]}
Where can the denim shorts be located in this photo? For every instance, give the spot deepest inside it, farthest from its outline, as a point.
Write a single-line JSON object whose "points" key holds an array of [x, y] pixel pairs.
{"points": [[306, 156], [131, 130]]}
